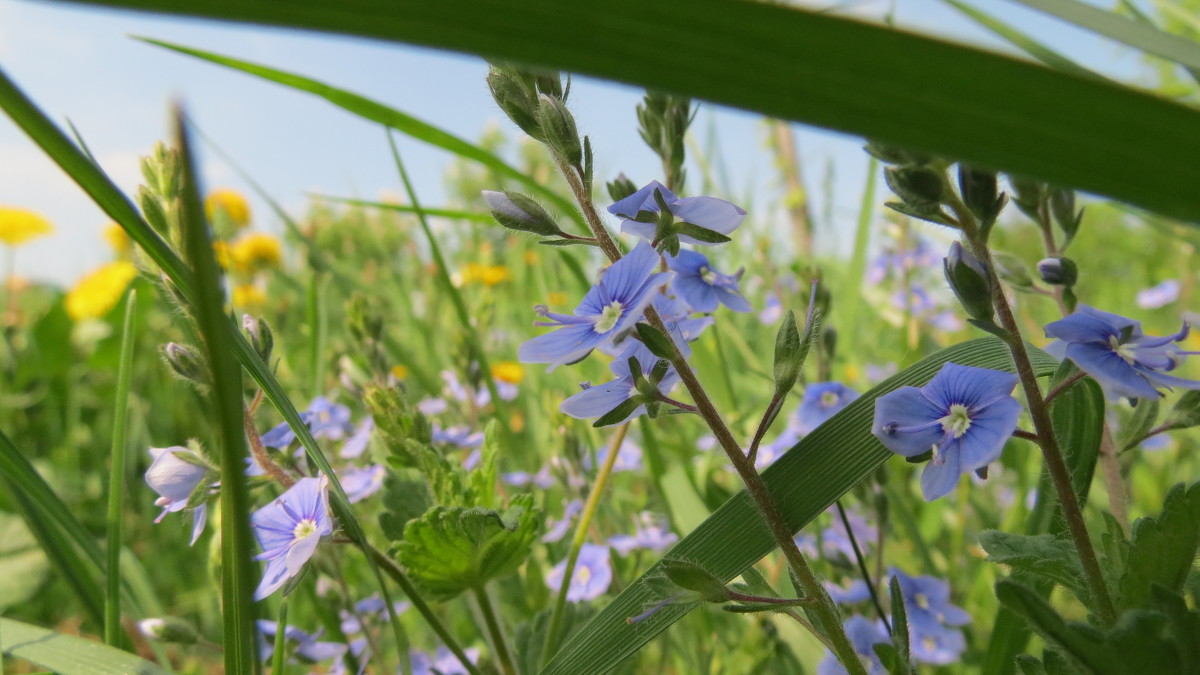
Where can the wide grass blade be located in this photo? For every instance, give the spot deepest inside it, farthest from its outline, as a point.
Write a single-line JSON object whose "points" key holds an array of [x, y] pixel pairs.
{"points": [[804, 482], [788, 63], [116, 479], [68, 654], [378, 112]]}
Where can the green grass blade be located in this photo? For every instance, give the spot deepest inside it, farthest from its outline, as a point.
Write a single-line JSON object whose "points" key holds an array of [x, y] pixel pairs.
{"points": [[809, 67], [457, 214], [1122, 29], [1022, 41], [378, 112], [804, 482], [862, 241], [116, 480], [237, 546], [68, 654]]}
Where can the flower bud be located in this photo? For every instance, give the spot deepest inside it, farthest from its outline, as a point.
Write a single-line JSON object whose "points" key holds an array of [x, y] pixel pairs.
{"points": [[168, 629], [694, 578], [186, 362], [1058, 271], [915, 184], [1029, 195], [1062, 207], [260, 337], [978, 188], [621, 187], [517, 97], [515, 211], [558, 128], [969, 280], [890, 154]]}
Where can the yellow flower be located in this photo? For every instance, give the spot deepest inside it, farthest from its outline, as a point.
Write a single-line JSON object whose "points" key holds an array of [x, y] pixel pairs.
{"points": [[248, 296], [399, 372], [508, 371], [97, 293], [557, 298], [18, 226], [255, 252], [118, 239], [224, 257], [531, 257], [488, 275], [229, 202], [851, 373], [517, 422]]}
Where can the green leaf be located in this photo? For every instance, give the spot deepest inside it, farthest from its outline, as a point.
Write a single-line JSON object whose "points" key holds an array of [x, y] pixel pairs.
{"points": [[658, 344], [378, 112], [1084, 646], [405, 497], [68, 654], [702, 234], [1162, 548], [1140, 423], [804, 481], [901, 636], [807, 66], [23, 566], [692, 577], [1186, 411], [483, 477], [1042, 556], [453, 549]]}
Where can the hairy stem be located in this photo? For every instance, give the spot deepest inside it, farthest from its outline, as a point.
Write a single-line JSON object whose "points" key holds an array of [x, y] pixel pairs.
{"points": [[499, 643]]}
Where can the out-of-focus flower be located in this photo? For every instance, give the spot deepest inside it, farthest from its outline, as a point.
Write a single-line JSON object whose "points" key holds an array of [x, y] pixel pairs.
{"points": [[362, 483], [709, 213], [230, 204], [849, 594], [821, 401], [772, 311], [703, 287], [609, 309], [592, 576], [877, 373], [864, 634], [555, 298], [97, 293], [1159, 296], [443, 662], [488, 275], [248, 296], [542, 480], [460, 435], [18, 226], [964, 415], [305, 646], [931, 618], [223, 255], [835, 539], [1113, 350], [557, 528], [629, 457], [675, 311], [354, 446], [652, 533], [175, 479], [398, 371], [255, 252], [324, 419], [116, 237], [289, 529], [508, 371], [433, 406]]}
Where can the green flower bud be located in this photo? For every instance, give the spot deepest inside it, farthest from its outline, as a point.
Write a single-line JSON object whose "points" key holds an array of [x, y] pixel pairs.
{"points": [[890, 154], [621, 187], [260, 337], [979, 191], [517, 97], [1058, 271], [558, 127], [186, 362], [515, 211], [694, 578], [969, 280], [915, 184]]}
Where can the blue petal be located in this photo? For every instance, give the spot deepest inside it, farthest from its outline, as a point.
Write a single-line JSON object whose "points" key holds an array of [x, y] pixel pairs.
{"points": [[710, 213], [1110, 370], [688, 262], [940, 475], [699, 295], [990, 429], [624, 278], [907, 407], [1117, 321], [642, 200], [968, 385], [644, 230], [596, 401], [1081, 328], [733, 300], [564, 345]]}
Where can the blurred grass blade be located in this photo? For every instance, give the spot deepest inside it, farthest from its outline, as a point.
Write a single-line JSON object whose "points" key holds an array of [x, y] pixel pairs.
{"points": [[805, 66], [1143, 18], [1022, 41], [237, 546], [862, 242], [68, 654], [805, 481], [378, 112], [116, 479], [1122, 29], [457, 214]]}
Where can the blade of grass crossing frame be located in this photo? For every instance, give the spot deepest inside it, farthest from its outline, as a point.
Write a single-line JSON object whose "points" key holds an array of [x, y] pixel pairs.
{"points": [[237, 546], [804, 482], [457, 214], [862, 240], [116, 479], [69, 654]]}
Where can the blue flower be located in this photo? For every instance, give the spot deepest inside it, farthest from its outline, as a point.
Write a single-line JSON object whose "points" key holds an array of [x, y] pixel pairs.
{"points": [[556, 529], [710, 213], [288, 530], [592, 576], [323, 418], [543, 479], [821, 401], [362, 483], [460, 435], [703, 287], [175, 479], [772, 311], [931, 617], [965, 415], [864, 634], [652, 533], [834, 539], [675, 311], [306, 646], [609, 309], [629, 457], [1114, 351], [1159, 296], [856, 591], [443, 662], [354, 446], [596, 401]]}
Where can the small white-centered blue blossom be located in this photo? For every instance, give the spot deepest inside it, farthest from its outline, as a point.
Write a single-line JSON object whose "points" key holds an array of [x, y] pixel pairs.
{"points": [[702, 286], [821, 401], [1114, 351], [609, 309], [175, 479], [592, 576], [443, 661], [323, 418], [652, 533], [360, 483], [932, 619], [289, 529], [964, 415], [354, 446], [710, 213], [596, 401], [864, 634]]}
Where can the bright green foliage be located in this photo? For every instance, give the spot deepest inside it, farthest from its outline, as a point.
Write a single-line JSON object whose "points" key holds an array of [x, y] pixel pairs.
{"points": [[405, 496], [1162, 548], [23, 565], [1186, 412], [1140, 423], [482, 479], [1043, 556], [68, 653], [450, 550], [695, 578]]}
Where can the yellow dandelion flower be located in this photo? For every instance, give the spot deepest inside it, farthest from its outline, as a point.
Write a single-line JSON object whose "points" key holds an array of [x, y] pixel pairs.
{"points": [[399, 372], [97, 293], [249, 296], [471, 273], [495, 274], [118, 239], [229, 202], [18, 226], [851, 373], [256, 251], [508, 371], [557, 298], [224, 257]]}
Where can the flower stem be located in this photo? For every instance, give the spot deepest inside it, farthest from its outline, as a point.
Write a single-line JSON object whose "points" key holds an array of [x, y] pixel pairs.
{"points": [[585, 521], [825, 610], [499, 644], [260, 453], [1063, 386], [116, 481], [862, 566], [277, 657]]}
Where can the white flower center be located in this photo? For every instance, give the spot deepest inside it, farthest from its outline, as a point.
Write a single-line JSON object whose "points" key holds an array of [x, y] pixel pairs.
{"points": [[304, 528], [957, 422], [609, 317], [1126, 352], [708, 276], [584, 575], [828, 399], [922, 600]]}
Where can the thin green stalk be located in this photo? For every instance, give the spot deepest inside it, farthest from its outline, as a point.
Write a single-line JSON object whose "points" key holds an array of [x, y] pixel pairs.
{"points": [[116, 480], [581, 530], [862, 240], [499, 643], [862, 565], [278, 656]]}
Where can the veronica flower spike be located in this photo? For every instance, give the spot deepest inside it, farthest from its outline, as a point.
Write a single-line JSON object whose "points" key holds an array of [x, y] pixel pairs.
{"points": [[703, 287], [709, 213], [289, 529], [964, 415], [609, 309], [1114, 351]]}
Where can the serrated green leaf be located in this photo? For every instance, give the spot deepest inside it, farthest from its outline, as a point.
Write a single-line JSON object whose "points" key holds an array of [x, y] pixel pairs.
{"points": [[405, 496], [804, 482], [1162, 548], [1144, 638], [1088, 649], [482, 478], [450, 550], [68, 654], [1043, 556]]}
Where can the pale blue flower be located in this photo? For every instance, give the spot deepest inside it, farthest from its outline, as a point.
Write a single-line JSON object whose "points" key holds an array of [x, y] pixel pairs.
{"points": [[323, 418], [864, 634], [354, 446], [835, 539], [460, 435], [557, 528], [710, 213], [443, 662], [362, 483], [821, 401], [592, 575], [175, 479], [543, 479], [931, 618], [629, 457], [772, 311], [702, 286], [1159, 296], [596, 401], [652, 533], [289, 529], [854, 592], [305, 646]]}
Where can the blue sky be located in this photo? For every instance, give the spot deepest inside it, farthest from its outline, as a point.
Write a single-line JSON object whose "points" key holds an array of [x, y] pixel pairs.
{"points": [[79, 63]]}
